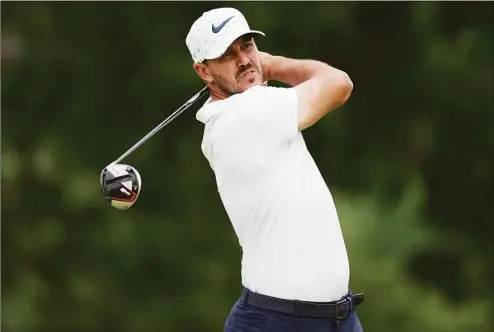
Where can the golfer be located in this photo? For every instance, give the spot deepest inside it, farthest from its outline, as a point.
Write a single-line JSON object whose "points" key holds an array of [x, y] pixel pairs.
{"points": [[295, 269]]}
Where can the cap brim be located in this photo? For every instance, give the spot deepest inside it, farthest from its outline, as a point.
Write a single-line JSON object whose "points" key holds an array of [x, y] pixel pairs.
{"points": [[230, 41]]}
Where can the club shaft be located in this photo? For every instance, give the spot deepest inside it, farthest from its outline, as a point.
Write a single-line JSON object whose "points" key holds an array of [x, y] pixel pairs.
{"points": [[170, 118]]}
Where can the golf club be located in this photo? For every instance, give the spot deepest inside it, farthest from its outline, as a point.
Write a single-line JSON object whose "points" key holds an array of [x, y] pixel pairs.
{"points": [[121, 183], [175, 114]]}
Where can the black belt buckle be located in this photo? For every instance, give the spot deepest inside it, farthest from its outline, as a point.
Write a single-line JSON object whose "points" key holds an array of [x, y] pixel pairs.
{"points": [[342, 309]]}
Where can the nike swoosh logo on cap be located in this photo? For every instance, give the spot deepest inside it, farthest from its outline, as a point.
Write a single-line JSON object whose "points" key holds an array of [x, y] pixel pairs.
{"points": [[218, 28]]}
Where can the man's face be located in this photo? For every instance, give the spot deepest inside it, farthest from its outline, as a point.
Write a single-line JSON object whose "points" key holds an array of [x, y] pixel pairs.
{"points": [[238, 69]]}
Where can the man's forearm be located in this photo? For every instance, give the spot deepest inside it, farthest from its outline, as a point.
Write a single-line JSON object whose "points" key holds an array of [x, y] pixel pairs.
{"points": [[320, 88], [295, 71]]}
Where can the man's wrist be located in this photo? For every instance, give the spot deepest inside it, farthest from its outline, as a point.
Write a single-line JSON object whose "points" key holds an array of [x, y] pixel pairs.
{"points": [[267, 61], [276, 67]]}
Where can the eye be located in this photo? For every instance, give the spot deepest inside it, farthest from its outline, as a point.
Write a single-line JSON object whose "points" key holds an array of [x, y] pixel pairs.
{"points": [[247, 45]]}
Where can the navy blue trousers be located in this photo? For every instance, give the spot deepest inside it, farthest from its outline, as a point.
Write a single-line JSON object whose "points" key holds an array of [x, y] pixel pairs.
{"points": [[246, 318]]}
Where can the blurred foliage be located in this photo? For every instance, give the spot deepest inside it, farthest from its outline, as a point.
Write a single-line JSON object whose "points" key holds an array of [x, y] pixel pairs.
{"points": [[408, 160]]}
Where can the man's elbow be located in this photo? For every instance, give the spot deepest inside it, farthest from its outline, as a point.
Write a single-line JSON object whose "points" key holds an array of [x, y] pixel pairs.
{"points": [[338, 87], [344, 85]]}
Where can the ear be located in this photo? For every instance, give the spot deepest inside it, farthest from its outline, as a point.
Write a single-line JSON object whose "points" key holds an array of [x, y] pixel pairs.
{"points": [[203, 71]]}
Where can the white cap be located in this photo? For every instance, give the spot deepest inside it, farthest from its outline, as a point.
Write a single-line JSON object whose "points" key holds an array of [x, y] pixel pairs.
{"points": [[213, 32]]}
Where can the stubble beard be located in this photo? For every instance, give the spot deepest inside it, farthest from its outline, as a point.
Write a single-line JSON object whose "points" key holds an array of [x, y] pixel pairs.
{"points": [[231, 89]]}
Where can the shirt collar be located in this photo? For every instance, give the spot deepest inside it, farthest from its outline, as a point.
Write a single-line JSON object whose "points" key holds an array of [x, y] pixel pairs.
{"points": [[208, 110]]}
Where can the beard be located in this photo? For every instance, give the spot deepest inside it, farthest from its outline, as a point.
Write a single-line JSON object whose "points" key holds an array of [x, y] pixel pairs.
{"points": [[231, 88], [226, 86]]}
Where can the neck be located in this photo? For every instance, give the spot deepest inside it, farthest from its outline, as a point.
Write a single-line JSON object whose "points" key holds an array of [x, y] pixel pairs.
{"points": [[216, 93]]}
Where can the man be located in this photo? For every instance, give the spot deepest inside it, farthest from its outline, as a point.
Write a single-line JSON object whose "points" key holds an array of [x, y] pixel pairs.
{"points": [[295, 269]]}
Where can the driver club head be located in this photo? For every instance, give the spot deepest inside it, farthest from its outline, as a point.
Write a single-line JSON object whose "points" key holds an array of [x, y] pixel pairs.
{"points": [[121, 185]]}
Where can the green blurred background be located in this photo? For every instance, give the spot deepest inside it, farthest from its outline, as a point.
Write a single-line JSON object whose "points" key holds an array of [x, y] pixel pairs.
{"points": [[408, 160]]}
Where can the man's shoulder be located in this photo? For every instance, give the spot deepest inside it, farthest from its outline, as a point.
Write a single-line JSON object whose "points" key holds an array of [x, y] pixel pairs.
{"points": [[253, 101], [261, 95], [264, 90]]}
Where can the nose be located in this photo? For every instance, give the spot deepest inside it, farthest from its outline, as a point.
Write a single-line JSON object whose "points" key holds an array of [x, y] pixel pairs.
{"points": [[242, 59]]}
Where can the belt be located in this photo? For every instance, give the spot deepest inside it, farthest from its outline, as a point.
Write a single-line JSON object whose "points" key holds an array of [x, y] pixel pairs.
{"points": [[337, 310]]}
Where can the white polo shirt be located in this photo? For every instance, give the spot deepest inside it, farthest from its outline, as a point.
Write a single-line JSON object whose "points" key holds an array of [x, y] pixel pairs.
{"points": [[278, 202]]}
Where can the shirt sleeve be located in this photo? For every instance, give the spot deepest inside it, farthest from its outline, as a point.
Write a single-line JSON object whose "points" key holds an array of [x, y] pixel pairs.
{"points": [[252, 127]]}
